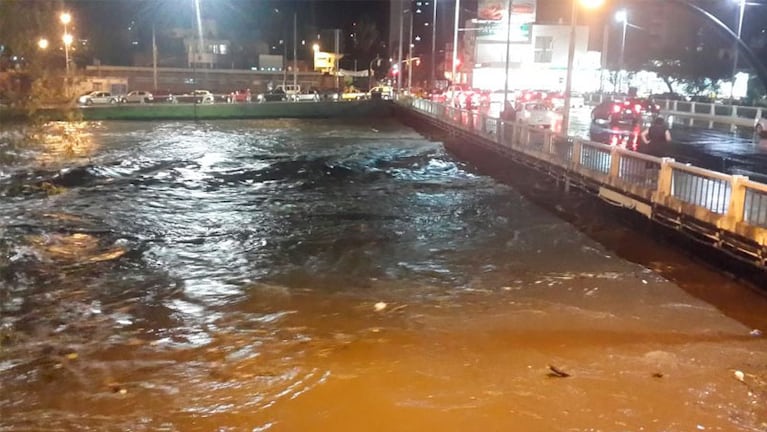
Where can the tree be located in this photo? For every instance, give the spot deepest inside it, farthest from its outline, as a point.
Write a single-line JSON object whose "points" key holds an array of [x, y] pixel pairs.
{"points": [[22, 24]]}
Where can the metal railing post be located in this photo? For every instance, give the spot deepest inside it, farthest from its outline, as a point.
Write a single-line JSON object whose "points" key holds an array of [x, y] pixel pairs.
{"points": [[665, 181], [615, 163], [577, 148], [737, 205]]}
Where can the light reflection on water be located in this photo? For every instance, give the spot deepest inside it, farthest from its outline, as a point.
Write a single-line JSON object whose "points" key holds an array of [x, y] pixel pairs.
{"points": [[316, 275]]}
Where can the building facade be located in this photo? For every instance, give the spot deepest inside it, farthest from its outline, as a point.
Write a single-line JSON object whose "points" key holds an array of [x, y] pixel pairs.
{"points": [[538, 53]]}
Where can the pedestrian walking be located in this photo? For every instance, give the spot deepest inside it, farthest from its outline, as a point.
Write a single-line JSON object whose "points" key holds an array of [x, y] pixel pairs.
{"points": [[656, 137]]}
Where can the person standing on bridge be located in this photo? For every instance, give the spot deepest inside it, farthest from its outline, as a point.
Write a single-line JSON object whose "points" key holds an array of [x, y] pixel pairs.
{"points": [[656, 136]]}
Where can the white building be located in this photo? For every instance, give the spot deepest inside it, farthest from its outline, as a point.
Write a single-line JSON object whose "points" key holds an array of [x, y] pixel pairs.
{"points": [[537, 53]]}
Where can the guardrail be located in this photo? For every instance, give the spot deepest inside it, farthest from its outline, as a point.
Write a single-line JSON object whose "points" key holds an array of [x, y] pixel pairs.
{"points": [[713, 113], [729, 211]]}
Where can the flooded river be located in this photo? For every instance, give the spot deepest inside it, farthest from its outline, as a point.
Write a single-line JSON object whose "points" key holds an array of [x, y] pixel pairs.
{"points": [[315, 275]]}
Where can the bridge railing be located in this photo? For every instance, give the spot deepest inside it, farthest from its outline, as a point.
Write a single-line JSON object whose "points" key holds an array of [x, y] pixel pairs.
{"points": [[735, 115], [729, 202]]}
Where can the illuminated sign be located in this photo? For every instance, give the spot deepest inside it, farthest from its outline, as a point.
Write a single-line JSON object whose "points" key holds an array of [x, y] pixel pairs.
{"points": [[492, 16]]}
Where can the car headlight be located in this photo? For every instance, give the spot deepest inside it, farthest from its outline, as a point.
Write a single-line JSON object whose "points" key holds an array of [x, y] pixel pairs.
{"points": [[82, 99]]}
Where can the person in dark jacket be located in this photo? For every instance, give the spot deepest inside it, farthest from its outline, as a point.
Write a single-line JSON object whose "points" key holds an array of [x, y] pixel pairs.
{"points": [[656, 136]]}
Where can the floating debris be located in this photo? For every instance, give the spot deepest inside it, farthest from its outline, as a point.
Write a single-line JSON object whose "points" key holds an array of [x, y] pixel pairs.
{"points": [[739, 375], [557, 372], [379, 306], [657, 375], [755, 332]]}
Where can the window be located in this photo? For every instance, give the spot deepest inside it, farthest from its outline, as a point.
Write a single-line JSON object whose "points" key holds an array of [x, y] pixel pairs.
{"points": [[543, 49]]}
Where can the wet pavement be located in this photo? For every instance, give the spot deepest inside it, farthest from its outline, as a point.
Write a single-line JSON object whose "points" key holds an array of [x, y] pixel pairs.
{"points": [[718, 148], [336, 275]]}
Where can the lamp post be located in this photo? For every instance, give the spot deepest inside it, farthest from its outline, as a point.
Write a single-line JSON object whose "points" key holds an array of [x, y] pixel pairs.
{"points": [[508, 53], [66, 18], [434, 45], [588, 4], [399, 57], [622, 17], [410, 57], [742, 5], [455, 40]]}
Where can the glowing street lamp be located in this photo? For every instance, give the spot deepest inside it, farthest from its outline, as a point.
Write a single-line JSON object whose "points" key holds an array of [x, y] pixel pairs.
{"points": [[742, 9], [66, 18], [42, 43], [586, 4], [316, 47], [622, 17]]}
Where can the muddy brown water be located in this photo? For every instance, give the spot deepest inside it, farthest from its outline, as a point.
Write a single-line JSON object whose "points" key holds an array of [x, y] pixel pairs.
{"points": [[289, 275]]}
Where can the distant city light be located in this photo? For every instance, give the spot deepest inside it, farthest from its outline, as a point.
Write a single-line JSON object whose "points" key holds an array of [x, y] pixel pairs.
{"points": [[67, 39], [65, 18], [42, 43]]}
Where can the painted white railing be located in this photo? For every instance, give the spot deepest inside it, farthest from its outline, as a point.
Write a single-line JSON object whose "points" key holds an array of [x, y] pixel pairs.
{"points": [[713, 113], [730, 203]]}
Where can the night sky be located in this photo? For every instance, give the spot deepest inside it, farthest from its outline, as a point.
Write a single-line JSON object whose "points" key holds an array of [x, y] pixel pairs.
{"points": [[245, 18]]}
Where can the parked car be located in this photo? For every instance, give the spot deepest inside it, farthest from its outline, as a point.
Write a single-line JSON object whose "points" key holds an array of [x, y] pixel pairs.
{"points": [[276, 95], [760, 129], [557, 100], [239, 96], [138, 96], [382, 92], [330, 94], [617, 113], [197, 96], [311, 95], [161, 95], [453, 94], [438, 96], [537, 114], [290, 90], [98, 97]]}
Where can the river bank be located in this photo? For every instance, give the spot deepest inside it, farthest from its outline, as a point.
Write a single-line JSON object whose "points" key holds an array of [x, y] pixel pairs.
{"points": [[206, 111]]}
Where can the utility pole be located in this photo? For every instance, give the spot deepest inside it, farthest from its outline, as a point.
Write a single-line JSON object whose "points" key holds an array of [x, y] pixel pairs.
{"points": [[605, 47], [455, 39], [154, 58], [335, 60], [295, 57], [508, 51], [434, 45], [399, 57], [410, 57]]}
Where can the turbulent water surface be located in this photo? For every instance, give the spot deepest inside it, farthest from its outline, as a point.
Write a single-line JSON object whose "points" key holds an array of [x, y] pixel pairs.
{"points": [[295, 275]]}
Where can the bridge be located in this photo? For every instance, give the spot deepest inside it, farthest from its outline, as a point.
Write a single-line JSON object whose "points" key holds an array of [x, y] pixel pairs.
{"points": [[726, 212]]}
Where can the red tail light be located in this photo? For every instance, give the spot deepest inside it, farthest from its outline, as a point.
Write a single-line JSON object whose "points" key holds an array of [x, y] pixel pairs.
{"points": [[616, 108], [637, 108]]}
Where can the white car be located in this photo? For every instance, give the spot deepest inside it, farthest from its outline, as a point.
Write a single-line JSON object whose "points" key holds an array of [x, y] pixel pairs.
{"points": [[538, 114], [309, 96], [760, 129], [197, 96], [97, 97], [138, 96], [290, 90]]}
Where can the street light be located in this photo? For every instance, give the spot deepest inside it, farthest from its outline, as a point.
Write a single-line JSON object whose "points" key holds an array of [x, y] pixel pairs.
{"points": [[742, 4], [622, 17], [455, 40], [66, 18], [316, 47], [42, 43], [587, 4]]}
